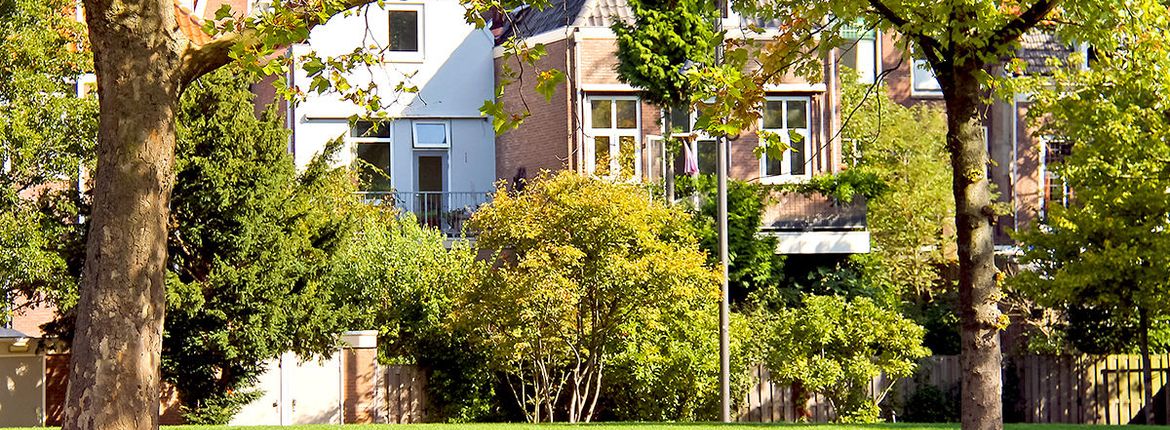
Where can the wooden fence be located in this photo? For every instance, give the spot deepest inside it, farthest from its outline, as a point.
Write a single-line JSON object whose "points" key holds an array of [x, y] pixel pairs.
{"points": [[405, 394], [1037, 389]]}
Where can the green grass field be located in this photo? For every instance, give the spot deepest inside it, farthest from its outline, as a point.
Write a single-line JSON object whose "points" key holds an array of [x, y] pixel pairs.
{"points": [[651, 426]]}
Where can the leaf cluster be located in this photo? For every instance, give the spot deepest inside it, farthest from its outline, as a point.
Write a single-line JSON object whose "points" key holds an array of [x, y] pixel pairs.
{"points": [[836, 346]]}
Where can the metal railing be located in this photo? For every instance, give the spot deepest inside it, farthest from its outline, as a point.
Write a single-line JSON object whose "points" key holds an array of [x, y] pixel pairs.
{"points": [[447, 211], [790, 211]]}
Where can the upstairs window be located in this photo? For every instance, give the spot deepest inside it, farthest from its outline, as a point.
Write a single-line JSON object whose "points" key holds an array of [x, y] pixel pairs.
{"points": [[406, 32], [786, 116], [859, 52], [371, 155], [1056, 190], [612, 147]]}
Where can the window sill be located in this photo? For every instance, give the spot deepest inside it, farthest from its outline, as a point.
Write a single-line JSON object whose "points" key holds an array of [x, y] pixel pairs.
{"points": [[783, 179]]}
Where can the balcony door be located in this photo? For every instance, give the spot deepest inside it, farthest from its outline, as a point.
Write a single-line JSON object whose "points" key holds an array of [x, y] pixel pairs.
{"points": [[431, 177]]}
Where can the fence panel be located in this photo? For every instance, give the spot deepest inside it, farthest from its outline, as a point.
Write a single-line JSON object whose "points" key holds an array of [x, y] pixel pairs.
{"points": [[1051, 389]]}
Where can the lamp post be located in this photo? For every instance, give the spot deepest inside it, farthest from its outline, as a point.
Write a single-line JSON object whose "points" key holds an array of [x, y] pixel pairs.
{"points": [[725, 304]]}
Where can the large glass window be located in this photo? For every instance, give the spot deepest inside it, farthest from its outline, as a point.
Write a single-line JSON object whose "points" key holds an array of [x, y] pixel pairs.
{"points": [[612, 143], [405, 32], [859, 52], [371, 155], [787, 116]]}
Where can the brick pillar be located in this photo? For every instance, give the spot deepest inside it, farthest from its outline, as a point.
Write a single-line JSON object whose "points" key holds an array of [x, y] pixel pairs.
{"points": [[359, 366]]}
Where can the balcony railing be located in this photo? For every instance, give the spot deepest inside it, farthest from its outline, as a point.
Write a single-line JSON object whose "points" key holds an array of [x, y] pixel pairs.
{"points": [[789, 211], [447, 211]]}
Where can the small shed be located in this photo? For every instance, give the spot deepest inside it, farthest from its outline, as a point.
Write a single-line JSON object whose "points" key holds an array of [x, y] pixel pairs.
{"points": [[22, 377]]}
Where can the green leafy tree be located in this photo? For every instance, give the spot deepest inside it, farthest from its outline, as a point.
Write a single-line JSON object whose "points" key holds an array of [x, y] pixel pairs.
{"points": [[44, 131], [251, 243], [905, 148], [664, 371], [960, 42], [836, 346], [653, 50], [1107, 252], [401, 279], [754, 265], [577, 260]]}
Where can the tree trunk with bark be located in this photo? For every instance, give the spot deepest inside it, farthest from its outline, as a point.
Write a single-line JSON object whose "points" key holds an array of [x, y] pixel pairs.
{"points": [[114, 369], [1147, 366], [979, 314]]}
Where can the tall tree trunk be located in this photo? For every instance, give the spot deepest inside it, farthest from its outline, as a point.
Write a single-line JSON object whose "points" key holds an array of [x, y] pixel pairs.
{"points": [[979, 314], [114, 369], [1147, 366]]}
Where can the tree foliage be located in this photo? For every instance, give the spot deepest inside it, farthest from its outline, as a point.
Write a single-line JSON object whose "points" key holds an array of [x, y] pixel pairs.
{"points": [[664, 36], [836, 346], [1102, 258], [577, 259], [401, 279], [754, 265], [44, 131]]}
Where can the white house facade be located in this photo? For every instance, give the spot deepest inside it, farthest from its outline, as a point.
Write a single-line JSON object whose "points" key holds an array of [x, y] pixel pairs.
{"points": [[435, 156]]}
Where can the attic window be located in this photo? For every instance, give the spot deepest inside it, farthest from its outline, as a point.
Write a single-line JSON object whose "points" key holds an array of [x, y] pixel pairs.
{"points": [[405, 32]]}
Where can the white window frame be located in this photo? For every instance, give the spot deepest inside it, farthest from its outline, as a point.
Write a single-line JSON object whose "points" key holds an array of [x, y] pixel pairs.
{"points": [[786, 163], [917, 68], [407, 56], [353, 142], [614, 134], [446, 128]]}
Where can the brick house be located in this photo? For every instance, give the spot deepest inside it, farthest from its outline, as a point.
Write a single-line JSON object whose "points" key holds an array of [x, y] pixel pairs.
{"points": [[595, 124]]}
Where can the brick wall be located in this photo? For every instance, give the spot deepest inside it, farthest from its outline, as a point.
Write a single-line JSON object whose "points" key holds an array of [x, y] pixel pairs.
{"points": [[29, 317], [896, 64], [542, 141]]}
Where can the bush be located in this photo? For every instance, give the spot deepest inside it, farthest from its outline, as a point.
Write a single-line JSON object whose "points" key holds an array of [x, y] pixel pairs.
{"points": [[836, 346]]}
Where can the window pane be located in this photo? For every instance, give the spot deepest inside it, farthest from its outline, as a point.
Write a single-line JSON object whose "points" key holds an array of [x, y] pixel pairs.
{"points": [[797, 158], [601, 155], [923, 76], [368, 129], [708, 156], [849, 53], [431, 134], [627, 113], [404, 30], [680, 119], [797, 114], [373, 166], [628, 159], [602, 113], [773, 111], [772, 166]]}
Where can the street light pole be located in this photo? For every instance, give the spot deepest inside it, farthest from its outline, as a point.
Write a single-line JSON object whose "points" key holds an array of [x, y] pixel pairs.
{"points": [[724, 305]]}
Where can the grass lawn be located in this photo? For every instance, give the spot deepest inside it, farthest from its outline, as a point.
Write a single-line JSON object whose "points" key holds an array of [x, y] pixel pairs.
{"points": [[648, 426]]}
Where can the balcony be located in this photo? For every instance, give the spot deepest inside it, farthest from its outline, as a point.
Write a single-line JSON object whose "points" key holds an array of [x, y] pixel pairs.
{"points": [[447, 211], [816, 224]]}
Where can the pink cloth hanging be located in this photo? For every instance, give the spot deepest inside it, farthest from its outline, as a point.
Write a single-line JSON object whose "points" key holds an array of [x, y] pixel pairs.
{"points": [[690, 162]]}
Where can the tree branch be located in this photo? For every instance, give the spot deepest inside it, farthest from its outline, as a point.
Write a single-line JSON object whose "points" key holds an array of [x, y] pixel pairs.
{"points": [[201, 59], [1014, 28], [932, 49]]}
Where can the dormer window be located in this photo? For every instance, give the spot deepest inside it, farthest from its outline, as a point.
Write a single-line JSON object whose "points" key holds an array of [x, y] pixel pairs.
{"points": [[405, 32]]}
